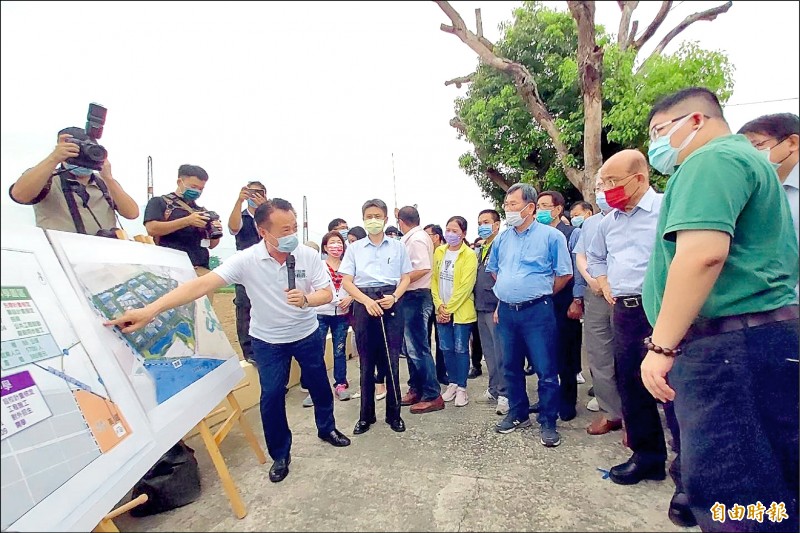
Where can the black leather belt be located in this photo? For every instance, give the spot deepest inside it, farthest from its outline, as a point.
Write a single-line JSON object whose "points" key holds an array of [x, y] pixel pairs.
{"points": [[378, 292], [630, 301], [524, 305], [727, 324]]}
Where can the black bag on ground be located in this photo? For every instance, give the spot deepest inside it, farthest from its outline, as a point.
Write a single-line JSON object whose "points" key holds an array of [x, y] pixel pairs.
{"points": [[172, 482]]}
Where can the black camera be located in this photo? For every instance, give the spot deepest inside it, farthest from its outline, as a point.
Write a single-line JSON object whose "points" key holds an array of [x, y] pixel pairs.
{"points": [[91, 155], [211, 231]]}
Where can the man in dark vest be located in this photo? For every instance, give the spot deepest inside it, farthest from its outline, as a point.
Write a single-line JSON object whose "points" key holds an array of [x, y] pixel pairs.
{"points": [[242, 226], [568, 304]]}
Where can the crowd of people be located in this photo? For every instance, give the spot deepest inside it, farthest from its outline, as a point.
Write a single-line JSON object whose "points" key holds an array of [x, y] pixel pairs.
{"points": [[685, 299]]}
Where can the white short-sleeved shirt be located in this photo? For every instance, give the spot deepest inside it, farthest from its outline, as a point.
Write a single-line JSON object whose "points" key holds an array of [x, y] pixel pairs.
{"points": [[272, 319]]}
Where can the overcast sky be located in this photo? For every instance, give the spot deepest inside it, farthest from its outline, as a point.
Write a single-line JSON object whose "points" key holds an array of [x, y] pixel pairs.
{"points": [[311, 98]]}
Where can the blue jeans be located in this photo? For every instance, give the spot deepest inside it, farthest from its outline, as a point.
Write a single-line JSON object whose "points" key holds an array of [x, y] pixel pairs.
{"points": [[273, 362], [455, 346], [530, 331], [338, 326], [417, 307], [736, 400]]}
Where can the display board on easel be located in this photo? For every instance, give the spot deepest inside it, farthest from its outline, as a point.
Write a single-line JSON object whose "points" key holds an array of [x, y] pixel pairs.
{"points": [[86, 410]]}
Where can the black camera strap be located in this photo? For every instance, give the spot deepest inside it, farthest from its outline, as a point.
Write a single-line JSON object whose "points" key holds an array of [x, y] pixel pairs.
{"points": [[72, 188]]}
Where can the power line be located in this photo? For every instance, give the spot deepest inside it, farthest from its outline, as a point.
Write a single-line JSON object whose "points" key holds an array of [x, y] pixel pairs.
{"points": [[763, 101]]}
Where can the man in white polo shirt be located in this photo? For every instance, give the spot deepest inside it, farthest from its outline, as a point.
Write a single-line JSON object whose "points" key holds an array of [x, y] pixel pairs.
{"points": [[282, 323]]}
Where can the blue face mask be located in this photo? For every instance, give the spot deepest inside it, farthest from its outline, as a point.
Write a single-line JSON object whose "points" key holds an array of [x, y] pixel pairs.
{"points": [[600, 198], [662, 155], [544, 216], [79, 171], [286, 244], [485, 231], [577, 221], [251, 203], [343, 233]]}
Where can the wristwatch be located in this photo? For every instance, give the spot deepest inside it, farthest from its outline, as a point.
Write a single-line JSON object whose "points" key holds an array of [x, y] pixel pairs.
{"points": [[305, 302]]}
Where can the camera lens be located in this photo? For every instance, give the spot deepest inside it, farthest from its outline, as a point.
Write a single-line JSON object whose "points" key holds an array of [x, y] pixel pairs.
{"points": [[95, 152]]}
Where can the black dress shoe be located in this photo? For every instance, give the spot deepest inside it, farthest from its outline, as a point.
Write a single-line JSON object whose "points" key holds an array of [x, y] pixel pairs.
{"points": [[336, 438], [279, 470], [534, 408], [362, 426], [679, 512], [474, 372], [631, 472], [397, 425], [590, 392]]}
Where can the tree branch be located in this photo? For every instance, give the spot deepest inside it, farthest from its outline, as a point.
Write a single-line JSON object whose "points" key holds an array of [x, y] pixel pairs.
{"points": [[653, 27], [461, 80], [709, 14], [625, 22], [497, 177], [523, 81]]}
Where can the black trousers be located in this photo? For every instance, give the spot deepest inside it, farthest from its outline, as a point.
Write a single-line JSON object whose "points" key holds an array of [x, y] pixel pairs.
{"points": [[242, 303], [639, 408], [372, 355], [570, 338], [476, 350]]}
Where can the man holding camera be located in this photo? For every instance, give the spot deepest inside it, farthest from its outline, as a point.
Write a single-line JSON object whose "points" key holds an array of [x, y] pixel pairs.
{"points": [[176, 221], [66, 192], [242, 225]]}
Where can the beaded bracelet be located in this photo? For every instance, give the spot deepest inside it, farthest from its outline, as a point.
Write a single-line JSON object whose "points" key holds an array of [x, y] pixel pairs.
{"points": [[648, 342]]}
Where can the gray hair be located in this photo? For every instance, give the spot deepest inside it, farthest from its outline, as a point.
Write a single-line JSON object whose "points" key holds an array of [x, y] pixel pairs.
{"points": [[528, 192]]}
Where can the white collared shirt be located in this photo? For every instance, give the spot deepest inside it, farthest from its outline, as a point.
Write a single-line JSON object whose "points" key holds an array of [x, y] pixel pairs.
{"points": [[272, 319], [420, 252]]}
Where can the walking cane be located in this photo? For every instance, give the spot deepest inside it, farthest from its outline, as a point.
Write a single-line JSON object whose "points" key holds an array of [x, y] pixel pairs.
{"points": [[388, 358]]}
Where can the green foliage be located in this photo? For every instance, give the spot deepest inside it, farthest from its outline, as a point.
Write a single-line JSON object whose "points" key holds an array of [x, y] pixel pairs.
{"points": [[506, 138]]}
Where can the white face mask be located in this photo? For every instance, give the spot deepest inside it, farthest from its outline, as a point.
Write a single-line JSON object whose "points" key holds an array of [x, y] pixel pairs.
{"points": [[766, 152], [515, 218]]}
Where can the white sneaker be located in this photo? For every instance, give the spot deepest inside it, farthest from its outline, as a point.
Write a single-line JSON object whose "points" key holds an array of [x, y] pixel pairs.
{"points": [[450, 394], [580, 379], [593, 405], [502, 406], [462, 398], [488, 397]]}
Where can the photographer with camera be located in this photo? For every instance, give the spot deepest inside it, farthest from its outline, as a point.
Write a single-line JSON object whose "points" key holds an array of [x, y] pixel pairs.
{"points": [[73, 189], [242, 225], [176, 221]]}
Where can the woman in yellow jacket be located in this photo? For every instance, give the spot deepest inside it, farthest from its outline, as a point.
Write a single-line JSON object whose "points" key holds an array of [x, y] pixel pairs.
{"points": [[455, 267]]}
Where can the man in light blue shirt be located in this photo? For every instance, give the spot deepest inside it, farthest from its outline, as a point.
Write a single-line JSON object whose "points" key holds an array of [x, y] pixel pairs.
{"points": [[597, 326], [530, 262], [375, 272], [617, 258], [778, 137]]}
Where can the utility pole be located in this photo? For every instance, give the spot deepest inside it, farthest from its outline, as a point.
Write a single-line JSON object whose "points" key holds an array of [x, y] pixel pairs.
{"points": [[305, 219], [149, 178]]}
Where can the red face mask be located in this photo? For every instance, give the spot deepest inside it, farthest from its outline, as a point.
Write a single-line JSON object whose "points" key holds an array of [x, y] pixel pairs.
{"points": [[617, 197]]}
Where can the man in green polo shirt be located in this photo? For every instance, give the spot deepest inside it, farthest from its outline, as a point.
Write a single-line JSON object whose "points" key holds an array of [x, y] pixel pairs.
{"points": [[719, 289]]}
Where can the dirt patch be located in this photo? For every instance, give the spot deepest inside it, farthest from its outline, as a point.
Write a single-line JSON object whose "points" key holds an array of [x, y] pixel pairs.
{"points": [[226, 313]]}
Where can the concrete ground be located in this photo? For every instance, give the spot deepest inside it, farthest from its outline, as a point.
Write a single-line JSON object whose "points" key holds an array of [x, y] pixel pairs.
{"points": [[449, 471]]}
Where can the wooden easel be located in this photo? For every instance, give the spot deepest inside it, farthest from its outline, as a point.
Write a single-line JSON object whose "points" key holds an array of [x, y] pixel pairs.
{"points": [[107, 525], [212, 442]]}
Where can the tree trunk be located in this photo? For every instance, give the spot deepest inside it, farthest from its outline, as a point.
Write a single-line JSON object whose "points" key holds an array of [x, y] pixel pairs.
{"points": [[590, 69]]}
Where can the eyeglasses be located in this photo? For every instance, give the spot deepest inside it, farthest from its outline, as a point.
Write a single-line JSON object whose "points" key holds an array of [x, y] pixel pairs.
{"points": [[760, 145], [610, 183], [513, 205], [655, 131], [551, 206]]}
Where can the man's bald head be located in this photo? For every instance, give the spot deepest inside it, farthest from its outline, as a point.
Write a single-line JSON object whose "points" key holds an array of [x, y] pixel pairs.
{"points": [[687, 101], [625, 163]]}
